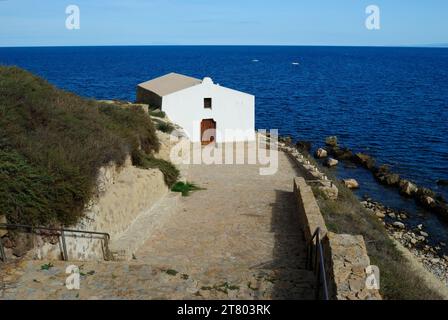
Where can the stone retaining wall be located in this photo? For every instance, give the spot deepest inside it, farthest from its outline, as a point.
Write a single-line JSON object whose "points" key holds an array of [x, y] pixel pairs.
{"points": [[308, 209], [346, 257], [123, 194]]}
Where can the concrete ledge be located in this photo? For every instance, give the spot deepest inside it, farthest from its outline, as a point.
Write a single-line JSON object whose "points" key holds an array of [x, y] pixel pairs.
{"points": [[346, 257]]}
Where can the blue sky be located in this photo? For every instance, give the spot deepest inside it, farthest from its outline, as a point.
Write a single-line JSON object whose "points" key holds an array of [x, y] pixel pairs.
{"points": [[234, 22]]}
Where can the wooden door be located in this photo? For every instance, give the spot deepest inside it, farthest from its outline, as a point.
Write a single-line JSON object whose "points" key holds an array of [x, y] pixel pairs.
{"points": [[208, 131]]}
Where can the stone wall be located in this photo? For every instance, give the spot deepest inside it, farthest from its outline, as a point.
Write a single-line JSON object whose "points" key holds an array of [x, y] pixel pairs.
{"points": [[311, 172], [345, 256], [123, 194], [308, 209]]}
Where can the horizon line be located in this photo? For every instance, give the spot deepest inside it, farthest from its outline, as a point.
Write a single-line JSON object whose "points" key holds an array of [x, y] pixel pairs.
{"points": [[435, 46]]}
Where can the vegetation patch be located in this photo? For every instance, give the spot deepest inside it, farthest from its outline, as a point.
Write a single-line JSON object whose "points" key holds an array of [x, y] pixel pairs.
{"points": [[157, 114], [145, 161], [171, 272], [46, 266], [223, 287], [52, 144], [163, 126], [185, 188]]}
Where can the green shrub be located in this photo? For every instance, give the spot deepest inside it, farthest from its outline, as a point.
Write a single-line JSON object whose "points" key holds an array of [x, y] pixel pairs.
{"points": [[30, 194], [157, 114], [145, 161], [165, 127], [53, 143], [185, 188]]}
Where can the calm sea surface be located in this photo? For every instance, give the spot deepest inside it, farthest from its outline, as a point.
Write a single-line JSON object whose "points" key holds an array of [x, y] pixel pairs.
{"points": [[389, 102]]}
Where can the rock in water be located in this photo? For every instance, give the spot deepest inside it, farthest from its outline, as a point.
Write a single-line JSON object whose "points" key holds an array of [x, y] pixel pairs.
{"points": [[330, 162], [286, 139], [331, 141], [399, 225], [321, 153], [407, 188], [386, 177], [303, 146], [365, 160], [341, 153], [442, 182], [351, 183], [425, 192]]}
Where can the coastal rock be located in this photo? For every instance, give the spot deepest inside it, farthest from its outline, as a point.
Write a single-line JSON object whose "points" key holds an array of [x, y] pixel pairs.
{"points": [[384, 176], [351, 183], [435, 260], [303, 146], [425, 192], [342, 153], [399, 225], [365, 160], [330, 192], [383, 169], [380, 214], [392, 179], [407, 188], [428, 201], [331, 141], [321, 153], [441, 208], [286, 139], [330, 162], [392, 215]]}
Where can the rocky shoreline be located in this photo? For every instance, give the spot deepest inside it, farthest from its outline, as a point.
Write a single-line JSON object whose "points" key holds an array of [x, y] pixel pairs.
{"points": [[332, 153], [416, 240]]}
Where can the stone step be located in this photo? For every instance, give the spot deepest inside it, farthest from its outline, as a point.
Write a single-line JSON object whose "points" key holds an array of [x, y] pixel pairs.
{"points": [[124, 247], [134, 280]]}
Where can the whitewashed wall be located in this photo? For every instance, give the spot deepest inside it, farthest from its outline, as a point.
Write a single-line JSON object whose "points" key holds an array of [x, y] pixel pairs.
{"points": [[231, 109]]}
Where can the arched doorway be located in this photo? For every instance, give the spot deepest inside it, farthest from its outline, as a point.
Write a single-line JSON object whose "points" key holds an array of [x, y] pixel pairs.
{"points": [[208, 131]]}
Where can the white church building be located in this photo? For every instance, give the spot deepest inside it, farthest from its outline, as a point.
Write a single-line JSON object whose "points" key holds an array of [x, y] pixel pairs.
{"points": [[206, 111]]}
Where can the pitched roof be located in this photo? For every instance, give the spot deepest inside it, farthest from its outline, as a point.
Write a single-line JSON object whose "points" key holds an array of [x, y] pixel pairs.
{"points": [[169, 83]]}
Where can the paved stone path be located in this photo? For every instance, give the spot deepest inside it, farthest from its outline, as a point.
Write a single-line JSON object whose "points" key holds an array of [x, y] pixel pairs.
{"points": [[237, 239]]}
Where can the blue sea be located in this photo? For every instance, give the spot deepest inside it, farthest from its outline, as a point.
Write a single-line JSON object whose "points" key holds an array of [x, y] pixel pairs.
{"points": [[391, 103]]}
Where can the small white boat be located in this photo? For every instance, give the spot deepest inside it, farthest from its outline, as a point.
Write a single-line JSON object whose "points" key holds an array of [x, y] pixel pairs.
{"points": [[295, 63], [255, 60]]}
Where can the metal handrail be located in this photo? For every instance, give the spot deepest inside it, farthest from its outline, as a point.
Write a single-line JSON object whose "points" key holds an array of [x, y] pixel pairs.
{"points": [[319, 264], [60, 233]]}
